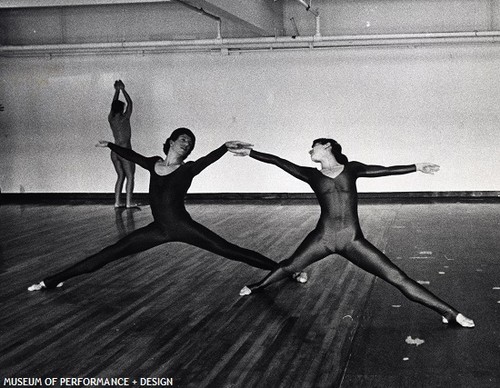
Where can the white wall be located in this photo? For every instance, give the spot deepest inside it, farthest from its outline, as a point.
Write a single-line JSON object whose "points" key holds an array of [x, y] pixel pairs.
{"points": [[347, 17], [385, 106]]}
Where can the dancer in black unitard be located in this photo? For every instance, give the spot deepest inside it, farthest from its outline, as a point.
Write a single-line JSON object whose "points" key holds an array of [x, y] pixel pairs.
{"points": [[169, 182], [338, 229]]}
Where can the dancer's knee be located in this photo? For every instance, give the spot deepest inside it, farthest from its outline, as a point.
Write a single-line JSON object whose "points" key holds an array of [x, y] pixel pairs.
{"points": [[396, 277]]}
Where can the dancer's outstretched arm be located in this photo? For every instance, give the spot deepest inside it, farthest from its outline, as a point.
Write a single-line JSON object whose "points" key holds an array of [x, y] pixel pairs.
{"points": [[200, 164], [297, 171], [371, 171], [127, 153]]}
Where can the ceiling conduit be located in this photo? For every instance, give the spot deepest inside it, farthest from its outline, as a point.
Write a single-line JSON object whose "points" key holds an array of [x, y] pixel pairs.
{"points": [[315, 12], [238, 45], [201, 11]]}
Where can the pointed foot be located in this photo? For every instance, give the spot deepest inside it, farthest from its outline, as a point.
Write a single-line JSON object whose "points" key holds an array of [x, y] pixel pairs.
{"points": [[245, 291], [461, 320], [300, 277], [37, 287]]}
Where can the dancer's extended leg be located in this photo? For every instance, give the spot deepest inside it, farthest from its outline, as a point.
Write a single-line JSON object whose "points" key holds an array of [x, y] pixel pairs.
{"points": [[363, 254], [308, 252], [202, 237], [137, 241]]}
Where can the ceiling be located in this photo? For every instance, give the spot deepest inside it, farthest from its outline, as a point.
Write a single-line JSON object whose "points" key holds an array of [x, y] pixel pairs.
{"points": [[259, 16], [76, 26]]}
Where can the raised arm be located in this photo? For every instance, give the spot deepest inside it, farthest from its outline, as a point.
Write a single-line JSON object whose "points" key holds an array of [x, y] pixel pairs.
{"points": [[117, 92], [115, 98], [127, 153], [372, 171], [128, 109], [298, 172]]}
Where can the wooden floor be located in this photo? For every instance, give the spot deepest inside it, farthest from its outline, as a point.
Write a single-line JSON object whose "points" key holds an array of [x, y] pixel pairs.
{"points": [[174, 312]]}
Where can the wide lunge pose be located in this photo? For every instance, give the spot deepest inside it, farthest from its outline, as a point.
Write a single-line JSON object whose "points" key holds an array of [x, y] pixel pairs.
{"points": [[338, 229], [119, 121], [169, 182]]}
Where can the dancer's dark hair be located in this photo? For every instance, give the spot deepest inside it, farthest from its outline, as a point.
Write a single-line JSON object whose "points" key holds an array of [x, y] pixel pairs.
{"points": [[117, 106], [175, 135], [336, 149]]}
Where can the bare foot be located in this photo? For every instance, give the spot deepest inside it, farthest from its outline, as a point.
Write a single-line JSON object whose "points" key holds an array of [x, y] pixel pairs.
{"points": [[300, 277], [462, 320], [119, 205], [133, 206]]}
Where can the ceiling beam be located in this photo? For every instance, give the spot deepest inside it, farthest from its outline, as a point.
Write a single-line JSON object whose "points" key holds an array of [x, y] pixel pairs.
{"points": [[262, 17], [61, 3]]}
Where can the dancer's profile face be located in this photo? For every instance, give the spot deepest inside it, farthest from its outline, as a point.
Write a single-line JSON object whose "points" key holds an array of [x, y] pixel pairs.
{"points": [[318, 151], [183, 145]]}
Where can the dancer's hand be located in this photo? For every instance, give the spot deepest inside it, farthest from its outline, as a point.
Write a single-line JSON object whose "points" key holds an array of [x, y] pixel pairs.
{"points": [[117, 85], [102, 143], [427, 168], [239, 148], [240, 151], [238, 145]]}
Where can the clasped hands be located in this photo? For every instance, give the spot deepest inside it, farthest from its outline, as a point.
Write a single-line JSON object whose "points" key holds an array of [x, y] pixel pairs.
{"points": [[427, 168], [119, 84], [239, 148]]}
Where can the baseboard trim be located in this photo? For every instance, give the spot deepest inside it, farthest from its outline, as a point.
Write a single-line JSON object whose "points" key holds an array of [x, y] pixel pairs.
{"points": [[142, 198]]}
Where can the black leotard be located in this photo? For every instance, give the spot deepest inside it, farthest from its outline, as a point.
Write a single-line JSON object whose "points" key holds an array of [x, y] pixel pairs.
{"points": [[171, 222], [338, 229]]}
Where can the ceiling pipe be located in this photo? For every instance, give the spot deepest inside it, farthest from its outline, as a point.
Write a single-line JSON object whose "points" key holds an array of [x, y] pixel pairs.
{"points": [[315, 12], [250, 44], [308, 7], [201, 11]]}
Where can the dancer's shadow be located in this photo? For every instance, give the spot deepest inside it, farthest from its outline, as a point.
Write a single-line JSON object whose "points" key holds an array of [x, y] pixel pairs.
{"points": [[264, 300], [3, 266]]}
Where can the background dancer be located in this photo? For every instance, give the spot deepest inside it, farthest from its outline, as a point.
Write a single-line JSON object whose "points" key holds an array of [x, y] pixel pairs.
{"points": [[119, 121], [170, 179], [338, 229]]}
